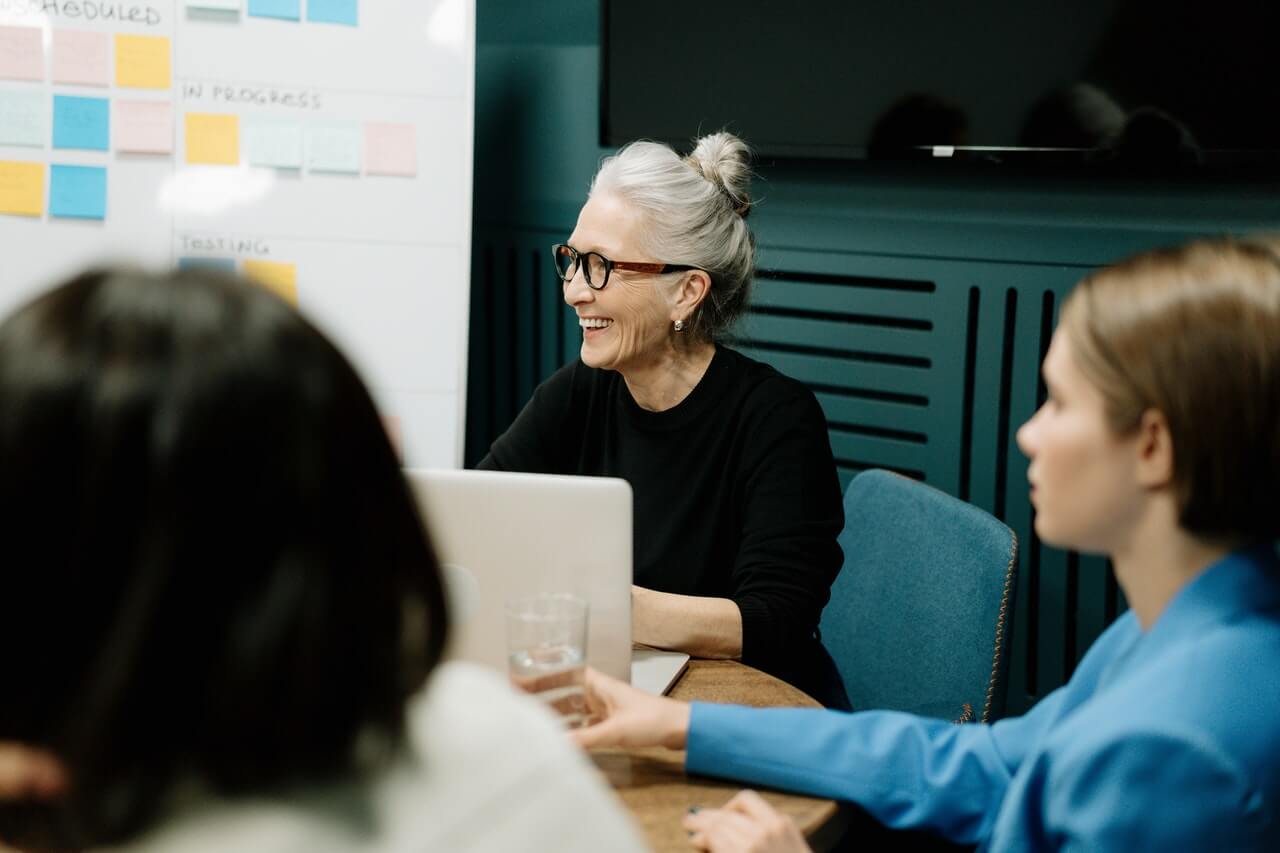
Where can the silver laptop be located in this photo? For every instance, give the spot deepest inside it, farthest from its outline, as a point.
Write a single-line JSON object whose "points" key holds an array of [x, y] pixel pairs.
{"points": [[504, 535]]}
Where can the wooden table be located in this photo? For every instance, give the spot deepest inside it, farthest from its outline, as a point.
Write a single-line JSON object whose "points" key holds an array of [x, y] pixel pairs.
{"points": [[657, 791]]}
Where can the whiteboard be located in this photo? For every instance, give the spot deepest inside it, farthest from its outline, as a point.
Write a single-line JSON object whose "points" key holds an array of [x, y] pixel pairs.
{"points": [[372, 230]]}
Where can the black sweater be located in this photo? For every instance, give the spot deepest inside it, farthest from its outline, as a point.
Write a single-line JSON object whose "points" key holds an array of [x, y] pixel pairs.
{"points": [[735, 493]]}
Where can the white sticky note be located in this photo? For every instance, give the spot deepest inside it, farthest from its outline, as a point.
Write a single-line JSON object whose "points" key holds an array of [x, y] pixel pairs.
{"points": [[143, 127], [81, 58], [22, 118], [334, 147], [216, 5], [273, 142]]}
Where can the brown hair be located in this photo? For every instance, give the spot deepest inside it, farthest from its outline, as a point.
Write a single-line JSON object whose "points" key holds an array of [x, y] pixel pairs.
{"points": [[1194, 332]]}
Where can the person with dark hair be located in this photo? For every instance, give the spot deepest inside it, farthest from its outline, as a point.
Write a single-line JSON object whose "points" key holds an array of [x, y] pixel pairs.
{"points": [[737, 500], [1159, 446], [224, 622]]}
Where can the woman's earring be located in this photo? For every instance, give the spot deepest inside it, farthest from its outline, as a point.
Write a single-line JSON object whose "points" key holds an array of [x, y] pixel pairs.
{"points": [[678, 325]]}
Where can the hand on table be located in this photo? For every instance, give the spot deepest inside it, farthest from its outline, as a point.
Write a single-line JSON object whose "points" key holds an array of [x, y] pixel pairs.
{"points": [[27, 773], [627, 717], [746, 823]]}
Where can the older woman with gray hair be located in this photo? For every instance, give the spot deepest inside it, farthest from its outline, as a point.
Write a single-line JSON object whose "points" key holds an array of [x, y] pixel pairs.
{"points": [[737, 503]]}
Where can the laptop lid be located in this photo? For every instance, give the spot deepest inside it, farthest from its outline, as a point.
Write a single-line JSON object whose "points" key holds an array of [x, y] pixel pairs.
{"points": [[504, 535]]}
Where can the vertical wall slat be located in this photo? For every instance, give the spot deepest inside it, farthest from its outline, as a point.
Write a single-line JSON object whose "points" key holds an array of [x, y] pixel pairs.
{"points": [[525, 356], [551, 309]]}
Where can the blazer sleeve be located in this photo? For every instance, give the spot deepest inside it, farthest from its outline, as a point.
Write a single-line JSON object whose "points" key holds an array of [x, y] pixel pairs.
{"points": [[1122, 790], [908, 772]]}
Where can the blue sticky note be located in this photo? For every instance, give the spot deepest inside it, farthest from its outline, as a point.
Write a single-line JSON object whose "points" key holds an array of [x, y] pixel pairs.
{"points": [[332, 11], [79, 192], [227, 265], [81, 123], [285, 10]]}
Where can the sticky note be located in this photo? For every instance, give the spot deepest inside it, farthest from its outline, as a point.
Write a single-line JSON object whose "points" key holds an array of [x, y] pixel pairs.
{"points": [[142, 62], [213, 138], [216, 5], [277, 276], [332, 11], [227, 265], [334, 147], [22, 118], [144, 127], [21, 53], [273, 142], [21, 188], [81, 58], [78, 192], [81, 123], [286, 10], [390, 149]]}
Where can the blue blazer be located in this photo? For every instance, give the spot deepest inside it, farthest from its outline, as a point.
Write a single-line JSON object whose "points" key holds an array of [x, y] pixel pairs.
{"points": [[1164, 739]]}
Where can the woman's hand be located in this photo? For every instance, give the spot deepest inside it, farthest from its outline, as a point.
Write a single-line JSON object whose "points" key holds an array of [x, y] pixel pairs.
{"points": [[29, 774], [746, 823], [627, 717]]}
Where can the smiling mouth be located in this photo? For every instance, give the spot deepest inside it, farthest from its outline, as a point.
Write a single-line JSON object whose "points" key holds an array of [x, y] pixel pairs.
{"points": [[593, 325]]}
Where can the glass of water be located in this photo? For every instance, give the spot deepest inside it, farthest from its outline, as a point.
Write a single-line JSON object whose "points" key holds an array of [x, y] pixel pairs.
{"points": [[547, 651]]}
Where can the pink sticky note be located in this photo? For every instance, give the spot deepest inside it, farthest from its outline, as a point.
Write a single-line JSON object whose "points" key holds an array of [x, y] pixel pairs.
{"points": [[21, 53], [144, 127], [81, 58], [390, 149]]}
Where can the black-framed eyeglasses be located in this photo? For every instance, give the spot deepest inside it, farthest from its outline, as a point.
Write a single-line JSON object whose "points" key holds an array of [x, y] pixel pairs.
{"points": [[596, 267]]}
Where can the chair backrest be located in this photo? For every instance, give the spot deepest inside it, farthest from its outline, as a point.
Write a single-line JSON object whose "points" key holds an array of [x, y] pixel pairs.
{"points": [[920, 615]]}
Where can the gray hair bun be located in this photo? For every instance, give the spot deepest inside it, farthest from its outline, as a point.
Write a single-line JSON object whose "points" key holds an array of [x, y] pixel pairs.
{"points": [[694, 210], [725, 160]]}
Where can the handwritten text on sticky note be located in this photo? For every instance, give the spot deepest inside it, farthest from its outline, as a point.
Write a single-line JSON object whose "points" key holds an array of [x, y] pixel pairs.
{"points": [[81, 58], [142, 62], [213, 138], [273, 142], [21, 53], [334, 147], [78, 192], [22, 118], [144, 127], [21, 188], [81, 123]]}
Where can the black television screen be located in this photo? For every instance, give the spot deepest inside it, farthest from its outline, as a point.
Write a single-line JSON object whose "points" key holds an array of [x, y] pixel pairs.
{"points": [[1177, 81]]}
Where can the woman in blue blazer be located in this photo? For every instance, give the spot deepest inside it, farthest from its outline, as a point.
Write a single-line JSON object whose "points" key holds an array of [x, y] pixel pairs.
{"points": [[1158, 445]]}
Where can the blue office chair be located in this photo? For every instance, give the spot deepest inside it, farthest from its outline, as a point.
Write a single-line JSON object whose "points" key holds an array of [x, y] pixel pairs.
{"points": [[920, 615]]}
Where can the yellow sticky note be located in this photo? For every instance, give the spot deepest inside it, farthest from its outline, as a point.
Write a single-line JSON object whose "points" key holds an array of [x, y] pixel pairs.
{"points": [[142, 62], [280, 277], [21, 188], [213, 138]]}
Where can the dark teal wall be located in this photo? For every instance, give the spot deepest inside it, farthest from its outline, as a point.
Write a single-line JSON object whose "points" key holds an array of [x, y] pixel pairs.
{"points": [[917, 308]]}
